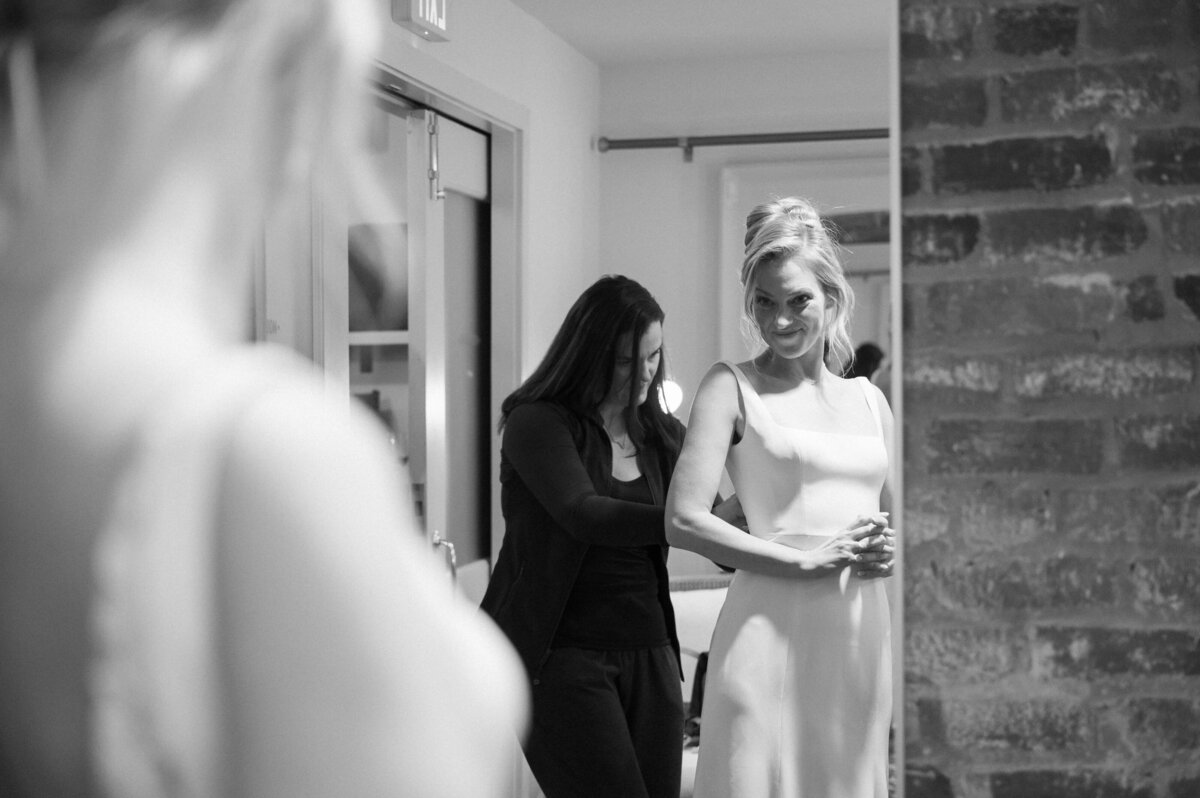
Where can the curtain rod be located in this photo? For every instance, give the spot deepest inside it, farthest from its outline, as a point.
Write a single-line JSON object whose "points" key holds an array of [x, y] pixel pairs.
{"points": [[687, 143]]}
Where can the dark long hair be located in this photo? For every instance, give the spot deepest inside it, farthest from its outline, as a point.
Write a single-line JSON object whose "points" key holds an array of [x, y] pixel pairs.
{"points": [[578, 367]]}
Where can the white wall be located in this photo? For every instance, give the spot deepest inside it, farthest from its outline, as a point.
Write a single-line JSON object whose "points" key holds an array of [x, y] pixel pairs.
{"points": [[643, 213], [502, 62], [659, 216]]}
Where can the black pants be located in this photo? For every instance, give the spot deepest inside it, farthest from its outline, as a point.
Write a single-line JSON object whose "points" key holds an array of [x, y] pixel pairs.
{"points": [[607, 724]]}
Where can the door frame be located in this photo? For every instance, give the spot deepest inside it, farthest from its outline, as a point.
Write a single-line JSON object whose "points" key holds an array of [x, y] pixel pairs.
{"points": [[425, 82], [447, 92], [419, 76]]}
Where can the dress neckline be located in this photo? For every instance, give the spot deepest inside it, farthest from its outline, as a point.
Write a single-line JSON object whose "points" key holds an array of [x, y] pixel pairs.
{"points": [[741, 377]]}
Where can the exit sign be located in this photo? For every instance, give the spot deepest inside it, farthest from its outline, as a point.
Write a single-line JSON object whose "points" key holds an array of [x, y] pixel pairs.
{"points": [[426, 18]]}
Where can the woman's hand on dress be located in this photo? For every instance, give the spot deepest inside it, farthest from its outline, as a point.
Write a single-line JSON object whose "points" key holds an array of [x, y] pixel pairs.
{"points": [[867, 545]]}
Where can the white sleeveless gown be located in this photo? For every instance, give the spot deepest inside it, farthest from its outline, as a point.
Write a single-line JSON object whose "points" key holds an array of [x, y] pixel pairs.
{"points": [[798, 697]]}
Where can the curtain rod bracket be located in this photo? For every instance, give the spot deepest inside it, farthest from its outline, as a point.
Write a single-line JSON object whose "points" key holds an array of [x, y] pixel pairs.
{"points": [[686, 146]]}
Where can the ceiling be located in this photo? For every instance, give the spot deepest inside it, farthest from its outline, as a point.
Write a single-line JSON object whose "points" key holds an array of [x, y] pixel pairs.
{"points": [[616, 32]]}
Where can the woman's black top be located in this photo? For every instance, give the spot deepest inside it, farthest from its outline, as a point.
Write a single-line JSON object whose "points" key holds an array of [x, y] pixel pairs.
{"points": [[557, 496], [614, 603]]}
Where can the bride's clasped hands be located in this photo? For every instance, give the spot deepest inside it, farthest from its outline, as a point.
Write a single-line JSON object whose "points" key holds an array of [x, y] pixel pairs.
{"points": [[867, 545]]}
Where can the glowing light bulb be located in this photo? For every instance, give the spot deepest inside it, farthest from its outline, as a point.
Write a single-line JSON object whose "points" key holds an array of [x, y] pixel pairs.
{"points": [[671, 396]]}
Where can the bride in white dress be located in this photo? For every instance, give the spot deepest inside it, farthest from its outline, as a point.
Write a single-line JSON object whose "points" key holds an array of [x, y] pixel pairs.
{"points": [[798, 696], [211, 580]]}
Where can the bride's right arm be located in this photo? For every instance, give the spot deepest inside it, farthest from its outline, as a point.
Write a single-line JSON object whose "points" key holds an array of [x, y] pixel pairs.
{"points": [[353, 668], [690, 522]]}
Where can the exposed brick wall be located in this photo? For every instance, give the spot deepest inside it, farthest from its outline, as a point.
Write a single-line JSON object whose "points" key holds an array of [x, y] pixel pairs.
{"points": [[1051, 182]]}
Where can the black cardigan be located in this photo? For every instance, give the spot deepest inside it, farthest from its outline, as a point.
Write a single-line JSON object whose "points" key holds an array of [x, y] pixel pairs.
{"points": [[555, 484]]}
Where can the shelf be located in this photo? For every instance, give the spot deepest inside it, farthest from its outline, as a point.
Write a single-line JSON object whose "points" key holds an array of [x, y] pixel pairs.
{"points": [[379, 338]]}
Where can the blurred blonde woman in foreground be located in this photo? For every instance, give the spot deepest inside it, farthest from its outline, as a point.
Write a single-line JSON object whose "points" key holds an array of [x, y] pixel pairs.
{"points": [[210, 580]]}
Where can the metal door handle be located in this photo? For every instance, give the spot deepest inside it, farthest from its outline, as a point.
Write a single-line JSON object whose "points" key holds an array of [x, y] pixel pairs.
{"points": [[451, 556], [435, 172]]}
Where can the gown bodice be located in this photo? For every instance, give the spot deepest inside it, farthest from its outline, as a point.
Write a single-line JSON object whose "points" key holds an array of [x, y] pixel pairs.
{"points": [[801, 481]]}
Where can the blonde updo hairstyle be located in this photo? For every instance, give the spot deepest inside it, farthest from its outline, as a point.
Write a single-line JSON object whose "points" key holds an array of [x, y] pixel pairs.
{"points": [[787, 228]]}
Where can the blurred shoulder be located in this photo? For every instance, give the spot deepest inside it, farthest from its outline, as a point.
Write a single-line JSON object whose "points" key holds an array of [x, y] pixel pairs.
{"points": [[296, 441]]}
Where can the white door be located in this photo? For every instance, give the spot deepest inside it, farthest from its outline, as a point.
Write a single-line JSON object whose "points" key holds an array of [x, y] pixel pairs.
{"points": [[428, 461], [380, 261], [404, 308], [452, 350], [391, 296]]}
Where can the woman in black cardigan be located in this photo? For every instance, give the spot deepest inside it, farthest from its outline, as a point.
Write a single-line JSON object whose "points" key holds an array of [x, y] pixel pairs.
{"points": [[580, 584]]}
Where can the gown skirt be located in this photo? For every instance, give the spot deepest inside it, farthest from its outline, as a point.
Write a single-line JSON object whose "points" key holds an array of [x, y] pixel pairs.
{"points": [[798, 700]]}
